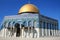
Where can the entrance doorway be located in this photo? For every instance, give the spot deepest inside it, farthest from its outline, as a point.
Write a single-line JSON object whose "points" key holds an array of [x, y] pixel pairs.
{"points": [[18, 30]]}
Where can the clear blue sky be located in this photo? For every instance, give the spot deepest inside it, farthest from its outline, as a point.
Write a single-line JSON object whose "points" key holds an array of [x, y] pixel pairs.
{"points": [[50, 8]]}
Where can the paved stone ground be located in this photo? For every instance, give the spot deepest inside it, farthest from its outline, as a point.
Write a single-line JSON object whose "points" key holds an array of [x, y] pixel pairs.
{"points": [[41, 38]]}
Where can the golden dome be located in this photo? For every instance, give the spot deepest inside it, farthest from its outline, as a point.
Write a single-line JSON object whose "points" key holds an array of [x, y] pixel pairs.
{"points": [[28, 8]]}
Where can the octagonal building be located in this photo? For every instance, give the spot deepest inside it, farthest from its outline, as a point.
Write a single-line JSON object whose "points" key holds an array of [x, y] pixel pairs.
{"points": [[28, 23]]}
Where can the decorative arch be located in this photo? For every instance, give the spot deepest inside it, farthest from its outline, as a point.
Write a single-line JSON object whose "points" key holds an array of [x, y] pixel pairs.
{"points": [[36, 23]]}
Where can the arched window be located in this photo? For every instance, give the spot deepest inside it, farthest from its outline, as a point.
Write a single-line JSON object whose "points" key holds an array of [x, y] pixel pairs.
{"points": [[25, 23], [36, 23], [6, 24], [30, 23], [9, 23], [13, 22], [17, 26]]}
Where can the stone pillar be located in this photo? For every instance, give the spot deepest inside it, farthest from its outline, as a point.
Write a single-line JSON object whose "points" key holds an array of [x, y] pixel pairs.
{"points": [[37, 29], [49, 32], [32, 29], [31, 32], [5, 32], [28, 32], [54, 32], [46, 29], [49, 29], [38, 33], [24, 34], [54, 29], [14, 29], [20, 30], [42, 30], [58, 32], [15, 34]]}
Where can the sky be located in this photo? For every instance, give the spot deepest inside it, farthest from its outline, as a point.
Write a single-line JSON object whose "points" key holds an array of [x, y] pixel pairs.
{"points": [[50, 8]]}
